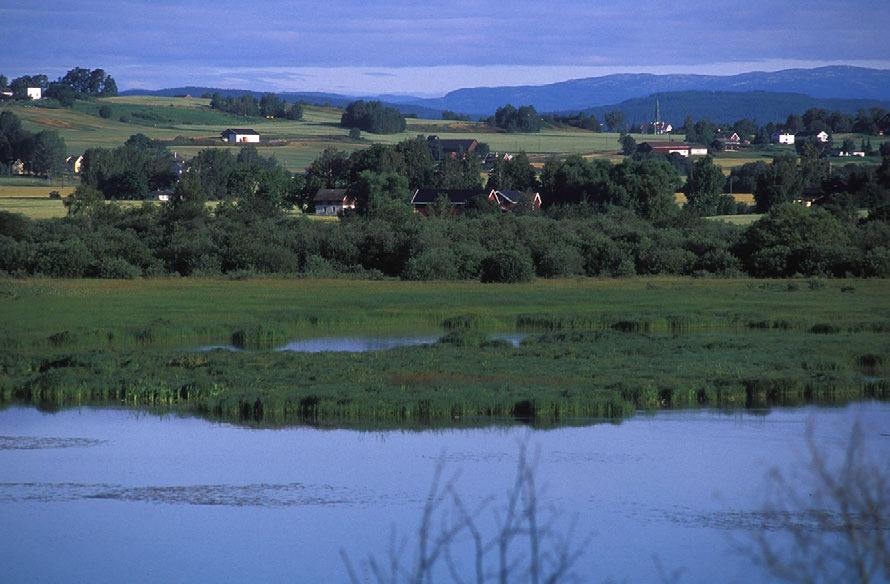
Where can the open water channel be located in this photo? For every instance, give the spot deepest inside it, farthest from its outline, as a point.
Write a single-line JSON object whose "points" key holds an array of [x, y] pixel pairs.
{"points": [[104, 495]]}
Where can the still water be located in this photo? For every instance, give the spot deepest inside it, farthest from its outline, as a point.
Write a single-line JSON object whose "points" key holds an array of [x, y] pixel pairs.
{"points": [[363, 344], [98, 495]]}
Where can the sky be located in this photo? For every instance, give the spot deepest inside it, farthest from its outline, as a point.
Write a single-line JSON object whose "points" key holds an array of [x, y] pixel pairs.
{"points": [[429, 47]]}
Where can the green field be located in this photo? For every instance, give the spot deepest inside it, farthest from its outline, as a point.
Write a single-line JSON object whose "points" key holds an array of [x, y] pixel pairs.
{"points": [[298, 143], [294, 143], [595, 347]]}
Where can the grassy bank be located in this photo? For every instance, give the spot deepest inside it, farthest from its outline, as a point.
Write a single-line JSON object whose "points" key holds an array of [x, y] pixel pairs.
{"points": [[595, 347]]}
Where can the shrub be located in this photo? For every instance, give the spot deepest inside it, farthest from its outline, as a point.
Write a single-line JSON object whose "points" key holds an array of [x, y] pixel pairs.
{"points": [[117, 269], [433, 264], [507, 266], [63, 260], [105, 112]]}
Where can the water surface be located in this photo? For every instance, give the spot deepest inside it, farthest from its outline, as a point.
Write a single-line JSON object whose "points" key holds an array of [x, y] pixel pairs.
{"points": [[363, 343], [97, 495]]}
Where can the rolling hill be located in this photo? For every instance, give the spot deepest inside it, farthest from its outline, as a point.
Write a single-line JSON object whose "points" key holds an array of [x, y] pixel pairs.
{"points": [[403, 104], [578, 94]]}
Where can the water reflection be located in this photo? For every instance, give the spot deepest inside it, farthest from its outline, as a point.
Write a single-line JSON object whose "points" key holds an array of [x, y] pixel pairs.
{"points": [[362, 343], [124, 496]]}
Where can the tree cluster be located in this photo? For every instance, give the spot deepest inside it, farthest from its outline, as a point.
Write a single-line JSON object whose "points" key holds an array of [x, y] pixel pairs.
{"points": [[250, 236], [510, 119], [247, 105], [374, 117], [78, 83], [42, 153], [130, 171]]}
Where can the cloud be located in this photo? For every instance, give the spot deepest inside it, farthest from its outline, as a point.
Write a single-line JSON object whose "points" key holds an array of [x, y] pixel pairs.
{"points": [[522, 41]]}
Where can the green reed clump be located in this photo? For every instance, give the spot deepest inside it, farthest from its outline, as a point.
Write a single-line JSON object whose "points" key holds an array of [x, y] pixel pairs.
{"points": [[258, 337], [631, 326], [464, 338], [460, 322], [825, 329], [555, 322]]}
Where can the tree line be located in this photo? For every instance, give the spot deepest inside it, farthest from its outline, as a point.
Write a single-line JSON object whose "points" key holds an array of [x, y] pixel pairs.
{"points": [[42, 153], [78, 83], [251, 236], [374, 117], [601, 219], [247, 105]]}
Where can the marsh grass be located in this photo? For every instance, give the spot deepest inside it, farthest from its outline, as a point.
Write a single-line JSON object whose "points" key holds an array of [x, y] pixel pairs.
{"points": [[598, 349]]}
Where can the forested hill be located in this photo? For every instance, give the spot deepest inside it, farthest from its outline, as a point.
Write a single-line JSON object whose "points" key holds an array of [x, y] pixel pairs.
{"points": [[728, 106], [782, 92], [578, 94]]}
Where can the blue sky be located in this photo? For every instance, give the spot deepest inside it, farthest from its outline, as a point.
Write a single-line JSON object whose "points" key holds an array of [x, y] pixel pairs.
{"points": [[429, 47]]}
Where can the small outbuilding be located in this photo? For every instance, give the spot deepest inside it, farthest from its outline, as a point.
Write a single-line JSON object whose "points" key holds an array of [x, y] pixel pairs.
{"points": [[782, 138], [683, 149], [241, 136], [34, 93], [17, 167], [332, 202]]}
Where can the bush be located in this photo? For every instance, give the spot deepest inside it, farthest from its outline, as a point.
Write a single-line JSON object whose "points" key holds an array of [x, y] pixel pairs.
{"points": [[433, 264], [124, 119], [507, 266], [63, 260], [105, 112], [117, 269], [373, 116]]}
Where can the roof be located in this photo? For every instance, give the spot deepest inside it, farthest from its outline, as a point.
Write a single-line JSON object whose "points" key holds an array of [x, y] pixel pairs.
{"points": [[456, 196], [240, 131], [512, 196], [329, 196], [671, 145], [458, 145]]}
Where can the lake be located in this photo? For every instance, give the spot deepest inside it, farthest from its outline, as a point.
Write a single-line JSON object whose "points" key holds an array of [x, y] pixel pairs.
{"points": [[106, 495]]}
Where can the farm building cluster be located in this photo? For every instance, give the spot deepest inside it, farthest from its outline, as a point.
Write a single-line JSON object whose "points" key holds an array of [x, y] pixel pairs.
{"points": [[334, 202]]}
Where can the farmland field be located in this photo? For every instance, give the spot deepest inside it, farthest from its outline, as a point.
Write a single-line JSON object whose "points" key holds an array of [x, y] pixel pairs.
{"points": [[183, 121], [294, 143]]}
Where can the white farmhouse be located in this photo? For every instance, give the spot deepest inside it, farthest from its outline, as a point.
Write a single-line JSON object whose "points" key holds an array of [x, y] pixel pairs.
{"points": [[332, 202], [783, 138], [35, 93], [241, 136], [821, 136]]}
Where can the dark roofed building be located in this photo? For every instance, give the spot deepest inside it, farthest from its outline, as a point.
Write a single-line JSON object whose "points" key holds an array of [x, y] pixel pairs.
{"points": [[509, 199], [236, 135], [423, 199], [451, 147], [666, 148], [332, 202]]}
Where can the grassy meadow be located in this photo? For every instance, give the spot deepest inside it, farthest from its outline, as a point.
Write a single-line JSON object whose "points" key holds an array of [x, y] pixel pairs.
{"points": [[594, 347], [193, 126], [294, 143]]}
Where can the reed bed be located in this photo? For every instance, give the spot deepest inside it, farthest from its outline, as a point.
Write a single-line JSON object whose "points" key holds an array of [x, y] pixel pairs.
{"points": [[592, 348]]}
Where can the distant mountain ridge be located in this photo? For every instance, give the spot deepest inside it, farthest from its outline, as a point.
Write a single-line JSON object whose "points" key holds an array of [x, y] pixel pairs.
{"points": [[579, 94], [764, 96], [729, 106]]}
